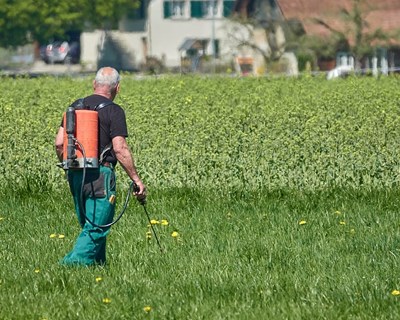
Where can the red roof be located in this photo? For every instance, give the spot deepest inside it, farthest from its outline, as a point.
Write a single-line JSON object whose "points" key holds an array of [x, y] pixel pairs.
{"points": [[383, 14]]}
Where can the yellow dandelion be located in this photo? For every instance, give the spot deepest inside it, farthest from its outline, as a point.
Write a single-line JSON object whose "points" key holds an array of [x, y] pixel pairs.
{"points": [[338, 213], [98, 279], [153, 221], [342, 223], [302, 222], [164, 222], [61, 236], [37, 270], [148, 235], [175, 234], [53, 235], [395, 293], [147, 309], [106, 300], [1, 218], [352, 231]]}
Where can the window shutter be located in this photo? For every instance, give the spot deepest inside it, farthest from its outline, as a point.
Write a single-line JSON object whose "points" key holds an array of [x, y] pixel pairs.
{"points": [[228, 7], [196, 9], [167, 9]]}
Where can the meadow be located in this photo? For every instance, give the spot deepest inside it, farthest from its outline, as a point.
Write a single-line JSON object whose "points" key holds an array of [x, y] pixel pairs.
{"points": [[272, 199]]}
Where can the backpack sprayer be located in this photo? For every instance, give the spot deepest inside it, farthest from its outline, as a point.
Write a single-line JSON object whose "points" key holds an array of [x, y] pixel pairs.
{"points": [[80, 151]]}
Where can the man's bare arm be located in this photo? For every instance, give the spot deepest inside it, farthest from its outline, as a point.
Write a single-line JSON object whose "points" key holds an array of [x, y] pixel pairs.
{"points": [[124, 157]]}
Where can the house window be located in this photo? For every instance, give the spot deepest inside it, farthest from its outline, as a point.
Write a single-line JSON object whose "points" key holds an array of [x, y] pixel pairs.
{"points": [[210, 8], [175, 9], [204, 8], [228, 6]]}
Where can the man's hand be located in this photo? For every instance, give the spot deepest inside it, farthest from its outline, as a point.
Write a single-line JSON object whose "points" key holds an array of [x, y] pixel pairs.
{"points": [[139, 190]]}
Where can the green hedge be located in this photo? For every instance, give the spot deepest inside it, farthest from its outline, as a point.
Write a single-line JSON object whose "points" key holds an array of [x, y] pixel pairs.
{"points": [[221, 133]]}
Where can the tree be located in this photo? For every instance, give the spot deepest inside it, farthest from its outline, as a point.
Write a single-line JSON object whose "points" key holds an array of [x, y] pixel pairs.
{"points": [[25, 21], [259, 26]]}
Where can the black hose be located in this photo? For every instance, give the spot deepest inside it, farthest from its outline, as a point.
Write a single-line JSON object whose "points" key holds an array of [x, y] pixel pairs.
{"points": [[81, 205], [132, 188]]}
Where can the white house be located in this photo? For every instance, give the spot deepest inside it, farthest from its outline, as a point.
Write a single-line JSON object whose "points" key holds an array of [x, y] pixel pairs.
{"points": [[163, 30]]}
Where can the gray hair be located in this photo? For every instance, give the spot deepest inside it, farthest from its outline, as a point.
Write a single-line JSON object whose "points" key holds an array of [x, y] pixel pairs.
{"points": [[107, 76]]}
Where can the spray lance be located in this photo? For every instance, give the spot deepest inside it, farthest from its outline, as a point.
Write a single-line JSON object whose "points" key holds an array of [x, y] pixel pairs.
{"points": [[74, 137], [142, 201]]}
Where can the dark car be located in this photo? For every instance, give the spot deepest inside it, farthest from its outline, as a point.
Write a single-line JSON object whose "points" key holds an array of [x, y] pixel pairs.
{"points": [[61, 52]]}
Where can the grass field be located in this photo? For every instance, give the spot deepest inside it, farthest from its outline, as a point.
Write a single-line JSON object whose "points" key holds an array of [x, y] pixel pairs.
{"points": [[280, 228], [266, 255]]}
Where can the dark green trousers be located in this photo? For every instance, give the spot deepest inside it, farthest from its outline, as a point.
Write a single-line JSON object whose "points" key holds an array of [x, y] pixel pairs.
{"points": [[98, 203]]}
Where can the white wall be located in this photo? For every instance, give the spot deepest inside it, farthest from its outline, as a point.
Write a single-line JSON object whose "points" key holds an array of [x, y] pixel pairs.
{"points": [[164, 37], [90, 42], [167, 35]]}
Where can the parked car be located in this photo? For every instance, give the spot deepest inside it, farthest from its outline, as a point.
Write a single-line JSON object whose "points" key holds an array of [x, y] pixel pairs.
{"points": [[61, 52]]}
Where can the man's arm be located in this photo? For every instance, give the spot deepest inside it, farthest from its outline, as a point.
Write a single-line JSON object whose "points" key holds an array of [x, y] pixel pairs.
{"points": [[59, 143], [125, 158]]}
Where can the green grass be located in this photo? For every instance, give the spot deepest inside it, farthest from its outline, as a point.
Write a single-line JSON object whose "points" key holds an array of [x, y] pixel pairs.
{"points": [[234, 165], [239, 255]]}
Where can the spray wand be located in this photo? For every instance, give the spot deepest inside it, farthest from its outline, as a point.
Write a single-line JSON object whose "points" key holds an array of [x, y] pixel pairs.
{"points": [[142, 201]]}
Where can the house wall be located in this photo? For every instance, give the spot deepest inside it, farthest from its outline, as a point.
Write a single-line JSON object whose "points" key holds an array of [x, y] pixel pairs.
{"points": [[94, 48], [164, 36], [167, 35], [90, 42]]}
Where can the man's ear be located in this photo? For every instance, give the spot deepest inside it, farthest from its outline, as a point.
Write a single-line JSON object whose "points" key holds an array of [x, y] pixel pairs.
{"points": [[117, 88], [94, 84]]}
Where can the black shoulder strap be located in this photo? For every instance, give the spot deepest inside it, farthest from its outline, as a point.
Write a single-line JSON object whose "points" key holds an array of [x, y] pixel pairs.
{"points": [[78, 104], [102, 105], [109, 147]]}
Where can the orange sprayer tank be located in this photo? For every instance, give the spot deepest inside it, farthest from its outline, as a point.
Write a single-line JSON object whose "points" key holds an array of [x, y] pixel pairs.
{"points": [[86, 134]]}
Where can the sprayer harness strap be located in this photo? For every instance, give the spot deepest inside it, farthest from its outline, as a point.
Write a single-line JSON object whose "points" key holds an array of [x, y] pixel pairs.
{"points": [[102, 105], [80, 104], [108, 147]]}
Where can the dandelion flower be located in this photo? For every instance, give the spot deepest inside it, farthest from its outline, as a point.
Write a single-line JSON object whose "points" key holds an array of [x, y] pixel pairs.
{"points": [[147, 309], [106, 300], [148, 235], [338, 213], [37, 270], [342, 223], [175, 234], [153, 221], [1, 218], [164, 222], [352, 231], [395, 292], [302, 222], [61, 236], [98, 279], [53, 235]]}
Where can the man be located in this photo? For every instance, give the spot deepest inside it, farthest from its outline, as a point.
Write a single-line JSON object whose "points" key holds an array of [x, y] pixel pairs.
{"points": [[96, 199]]}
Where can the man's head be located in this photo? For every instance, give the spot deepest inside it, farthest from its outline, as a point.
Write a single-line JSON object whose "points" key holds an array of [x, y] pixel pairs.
{"points": [[106, 82]]}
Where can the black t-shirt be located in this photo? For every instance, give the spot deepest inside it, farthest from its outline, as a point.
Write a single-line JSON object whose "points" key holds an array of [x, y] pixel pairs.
{"points": [[112, 122]]}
